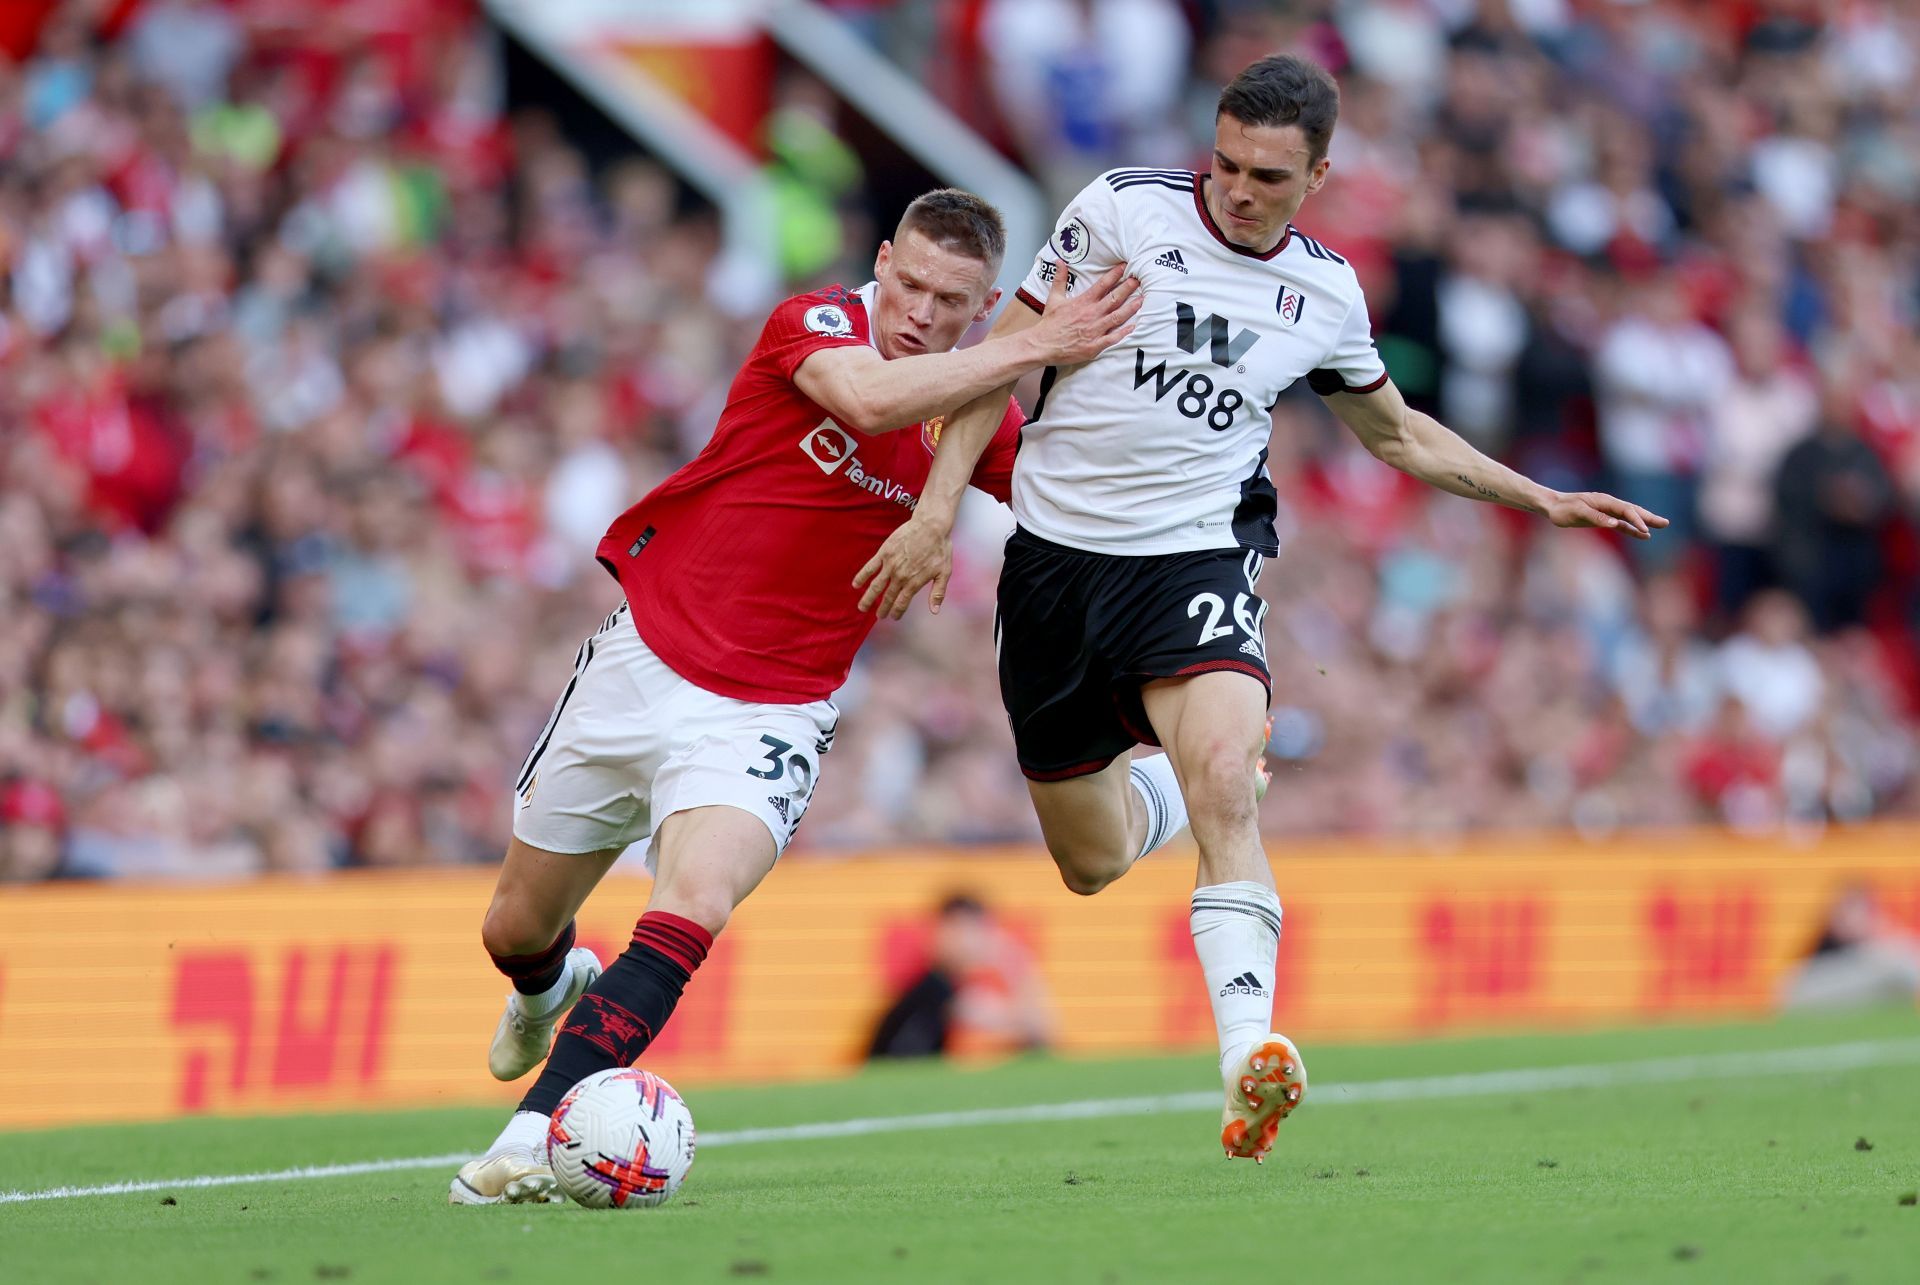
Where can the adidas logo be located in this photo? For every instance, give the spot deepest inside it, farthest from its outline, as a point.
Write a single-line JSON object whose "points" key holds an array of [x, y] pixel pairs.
{"points": [[1245, 984], [782, 806], [1253, 648], [1172, 259]]}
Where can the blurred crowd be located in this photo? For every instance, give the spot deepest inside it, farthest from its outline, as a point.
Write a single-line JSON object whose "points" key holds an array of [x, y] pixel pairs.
{"points": [[321, 372]]}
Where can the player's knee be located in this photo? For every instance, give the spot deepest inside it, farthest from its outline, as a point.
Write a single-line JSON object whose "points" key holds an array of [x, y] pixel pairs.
{"points": [[706, 903], [1084, 884], [511, 929], [1220, 781], [1087, 872]]}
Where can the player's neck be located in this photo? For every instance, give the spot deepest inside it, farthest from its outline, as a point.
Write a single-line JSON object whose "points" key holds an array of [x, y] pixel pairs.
{"points": [[1209, 196]]}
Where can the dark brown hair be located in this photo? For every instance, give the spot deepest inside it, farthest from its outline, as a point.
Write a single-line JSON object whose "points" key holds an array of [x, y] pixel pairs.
{"points": [[1282, 89], [958, 221]]}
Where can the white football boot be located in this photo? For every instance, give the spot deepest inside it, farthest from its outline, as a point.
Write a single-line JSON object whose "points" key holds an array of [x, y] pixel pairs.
{"points": [[520, 1042], [1264, 1085], [514, 1171]]}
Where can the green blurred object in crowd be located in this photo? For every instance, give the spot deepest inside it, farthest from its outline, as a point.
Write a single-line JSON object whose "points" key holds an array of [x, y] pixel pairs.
{"points": [[810, 170], [246, 133]]}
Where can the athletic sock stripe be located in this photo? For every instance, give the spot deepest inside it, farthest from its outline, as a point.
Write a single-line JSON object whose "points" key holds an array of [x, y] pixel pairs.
{"points": [[677, 946], [1255, 912], [1238, 906], [681, 940], [1157, 812], [519, 967]]}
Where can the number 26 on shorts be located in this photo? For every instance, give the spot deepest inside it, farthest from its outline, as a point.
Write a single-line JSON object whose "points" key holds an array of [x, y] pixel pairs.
{"points": [[1249, 621]]}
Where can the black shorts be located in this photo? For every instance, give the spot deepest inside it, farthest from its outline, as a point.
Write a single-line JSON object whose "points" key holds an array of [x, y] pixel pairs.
{"points": [[1078, 634]]}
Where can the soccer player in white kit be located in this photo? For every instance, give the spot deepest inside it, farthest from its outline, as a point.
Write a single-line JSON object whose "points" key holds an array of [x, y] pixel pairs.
{"points": [[1128, 610]]}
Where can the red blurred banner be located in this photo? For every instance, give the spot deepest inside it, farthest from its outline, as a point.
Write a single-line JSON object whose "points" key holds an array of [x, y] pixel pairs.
{"points": [[138, 1002]]}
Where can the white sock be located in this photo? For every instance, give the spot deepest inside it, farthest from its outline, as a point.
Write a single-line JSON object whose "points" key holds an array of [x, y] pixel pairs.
{"points": [[527, 1131], [538, 1008], [1236, 933], [1159, 793]]}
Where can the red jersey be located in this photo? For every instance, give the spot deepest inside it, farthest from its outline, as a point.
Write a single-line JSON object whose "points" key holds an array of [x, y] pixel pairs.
{"points": [[740, 566]]}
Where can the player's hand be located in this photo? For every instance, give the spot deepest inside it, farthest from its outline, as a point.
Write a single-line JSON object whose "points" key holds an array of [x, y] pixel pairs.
{"points": [[917, 553], [1596, 509], [1078, 329]]}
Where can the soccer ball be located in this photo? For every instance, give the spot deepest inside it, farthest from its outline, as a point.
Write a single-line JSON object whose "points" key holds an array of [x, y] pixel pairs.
{"points": [[620, 1139]]}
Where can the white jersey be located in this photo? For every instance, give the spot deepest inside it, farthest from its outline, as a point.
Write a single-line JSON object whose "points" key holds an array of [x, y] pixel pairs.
{"points": [[1159, 445]]}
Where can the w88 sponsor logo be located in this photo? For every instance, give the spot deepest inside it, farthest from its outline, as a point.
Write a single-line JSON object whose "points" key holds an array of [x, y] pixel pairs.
{"points": [[1198, 397]]}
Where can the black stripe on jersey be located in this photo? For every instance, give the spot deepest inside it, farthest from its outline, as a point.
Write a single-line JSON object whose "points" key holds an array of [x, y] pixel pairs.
{"points": [[1178, 185], [1181, 188], [1315, 249], [1118, 177]]}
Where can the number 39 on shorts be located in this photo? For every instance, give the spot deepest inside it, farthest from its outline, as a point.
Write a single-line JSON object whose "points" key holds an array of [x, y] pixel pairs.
{"points": [[779, 759]]}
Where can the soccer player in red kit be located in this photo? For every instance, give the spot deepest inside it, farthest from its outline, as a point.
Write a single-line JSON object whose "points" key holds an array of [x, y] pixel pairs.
{"points": [[698, 715]]}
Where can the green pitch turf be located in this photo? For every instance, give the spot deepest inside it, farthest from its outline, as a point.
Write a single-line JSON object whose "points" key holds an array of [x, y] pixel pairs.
{"points": [[1793, 1177]]}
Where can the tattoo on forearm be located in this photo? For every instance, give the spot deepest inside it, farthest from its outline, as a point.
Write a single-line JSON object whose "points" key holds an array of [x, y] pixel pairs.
{"points": [[1486, 492]]}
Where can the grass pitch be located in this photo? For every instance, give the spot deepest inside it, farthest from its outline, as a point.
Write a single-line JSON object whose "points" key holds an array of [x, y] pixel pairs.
{"points": [[1781, 1175]]}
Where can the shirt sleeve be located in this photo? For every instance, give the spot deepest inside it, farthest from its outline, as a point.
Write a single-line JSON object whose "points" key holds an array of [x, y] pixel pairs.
{"points": [[1354, 365], [1088, 240], [994, 473], [802, 326]]}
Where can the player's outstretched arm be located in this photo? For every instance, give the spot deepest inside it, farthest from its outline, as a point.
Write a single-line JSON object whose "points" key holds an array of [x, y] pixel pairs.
{"points": [[920, 550], [870, 394], [1421, 446]]}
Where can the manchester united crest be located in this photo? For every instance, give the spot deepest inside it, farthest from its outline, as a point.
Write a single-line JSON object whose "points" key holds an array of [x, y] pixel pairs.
{"points": [[930, 431]]}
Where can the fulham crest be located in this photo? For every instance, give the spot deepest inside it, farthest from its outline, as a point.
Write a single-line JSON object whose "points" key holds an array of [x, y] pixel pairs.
{"points": [[1290, 305]]}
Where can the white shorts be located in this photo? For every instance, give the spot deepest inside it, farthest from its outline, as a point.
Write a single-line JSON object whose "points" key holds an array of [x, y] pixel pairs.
{"points": [[631, 742]]}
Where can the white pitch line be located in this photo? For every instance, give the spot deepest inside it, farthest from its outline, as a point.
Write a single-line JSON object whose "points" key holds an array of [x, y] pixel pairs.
{"points": [[1594, 1075]]}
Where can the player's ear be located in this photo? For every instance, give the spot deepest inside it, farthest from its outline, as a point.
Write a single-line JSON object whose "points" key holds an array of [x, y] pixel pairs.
{"points": [[1317, 179], [986, 308], [882, 259]]}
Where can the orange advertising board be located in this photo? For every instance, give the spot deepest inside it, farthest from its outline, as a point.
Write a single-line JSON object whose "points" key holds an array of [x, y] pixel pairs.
{"points": [[371, 990]]}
